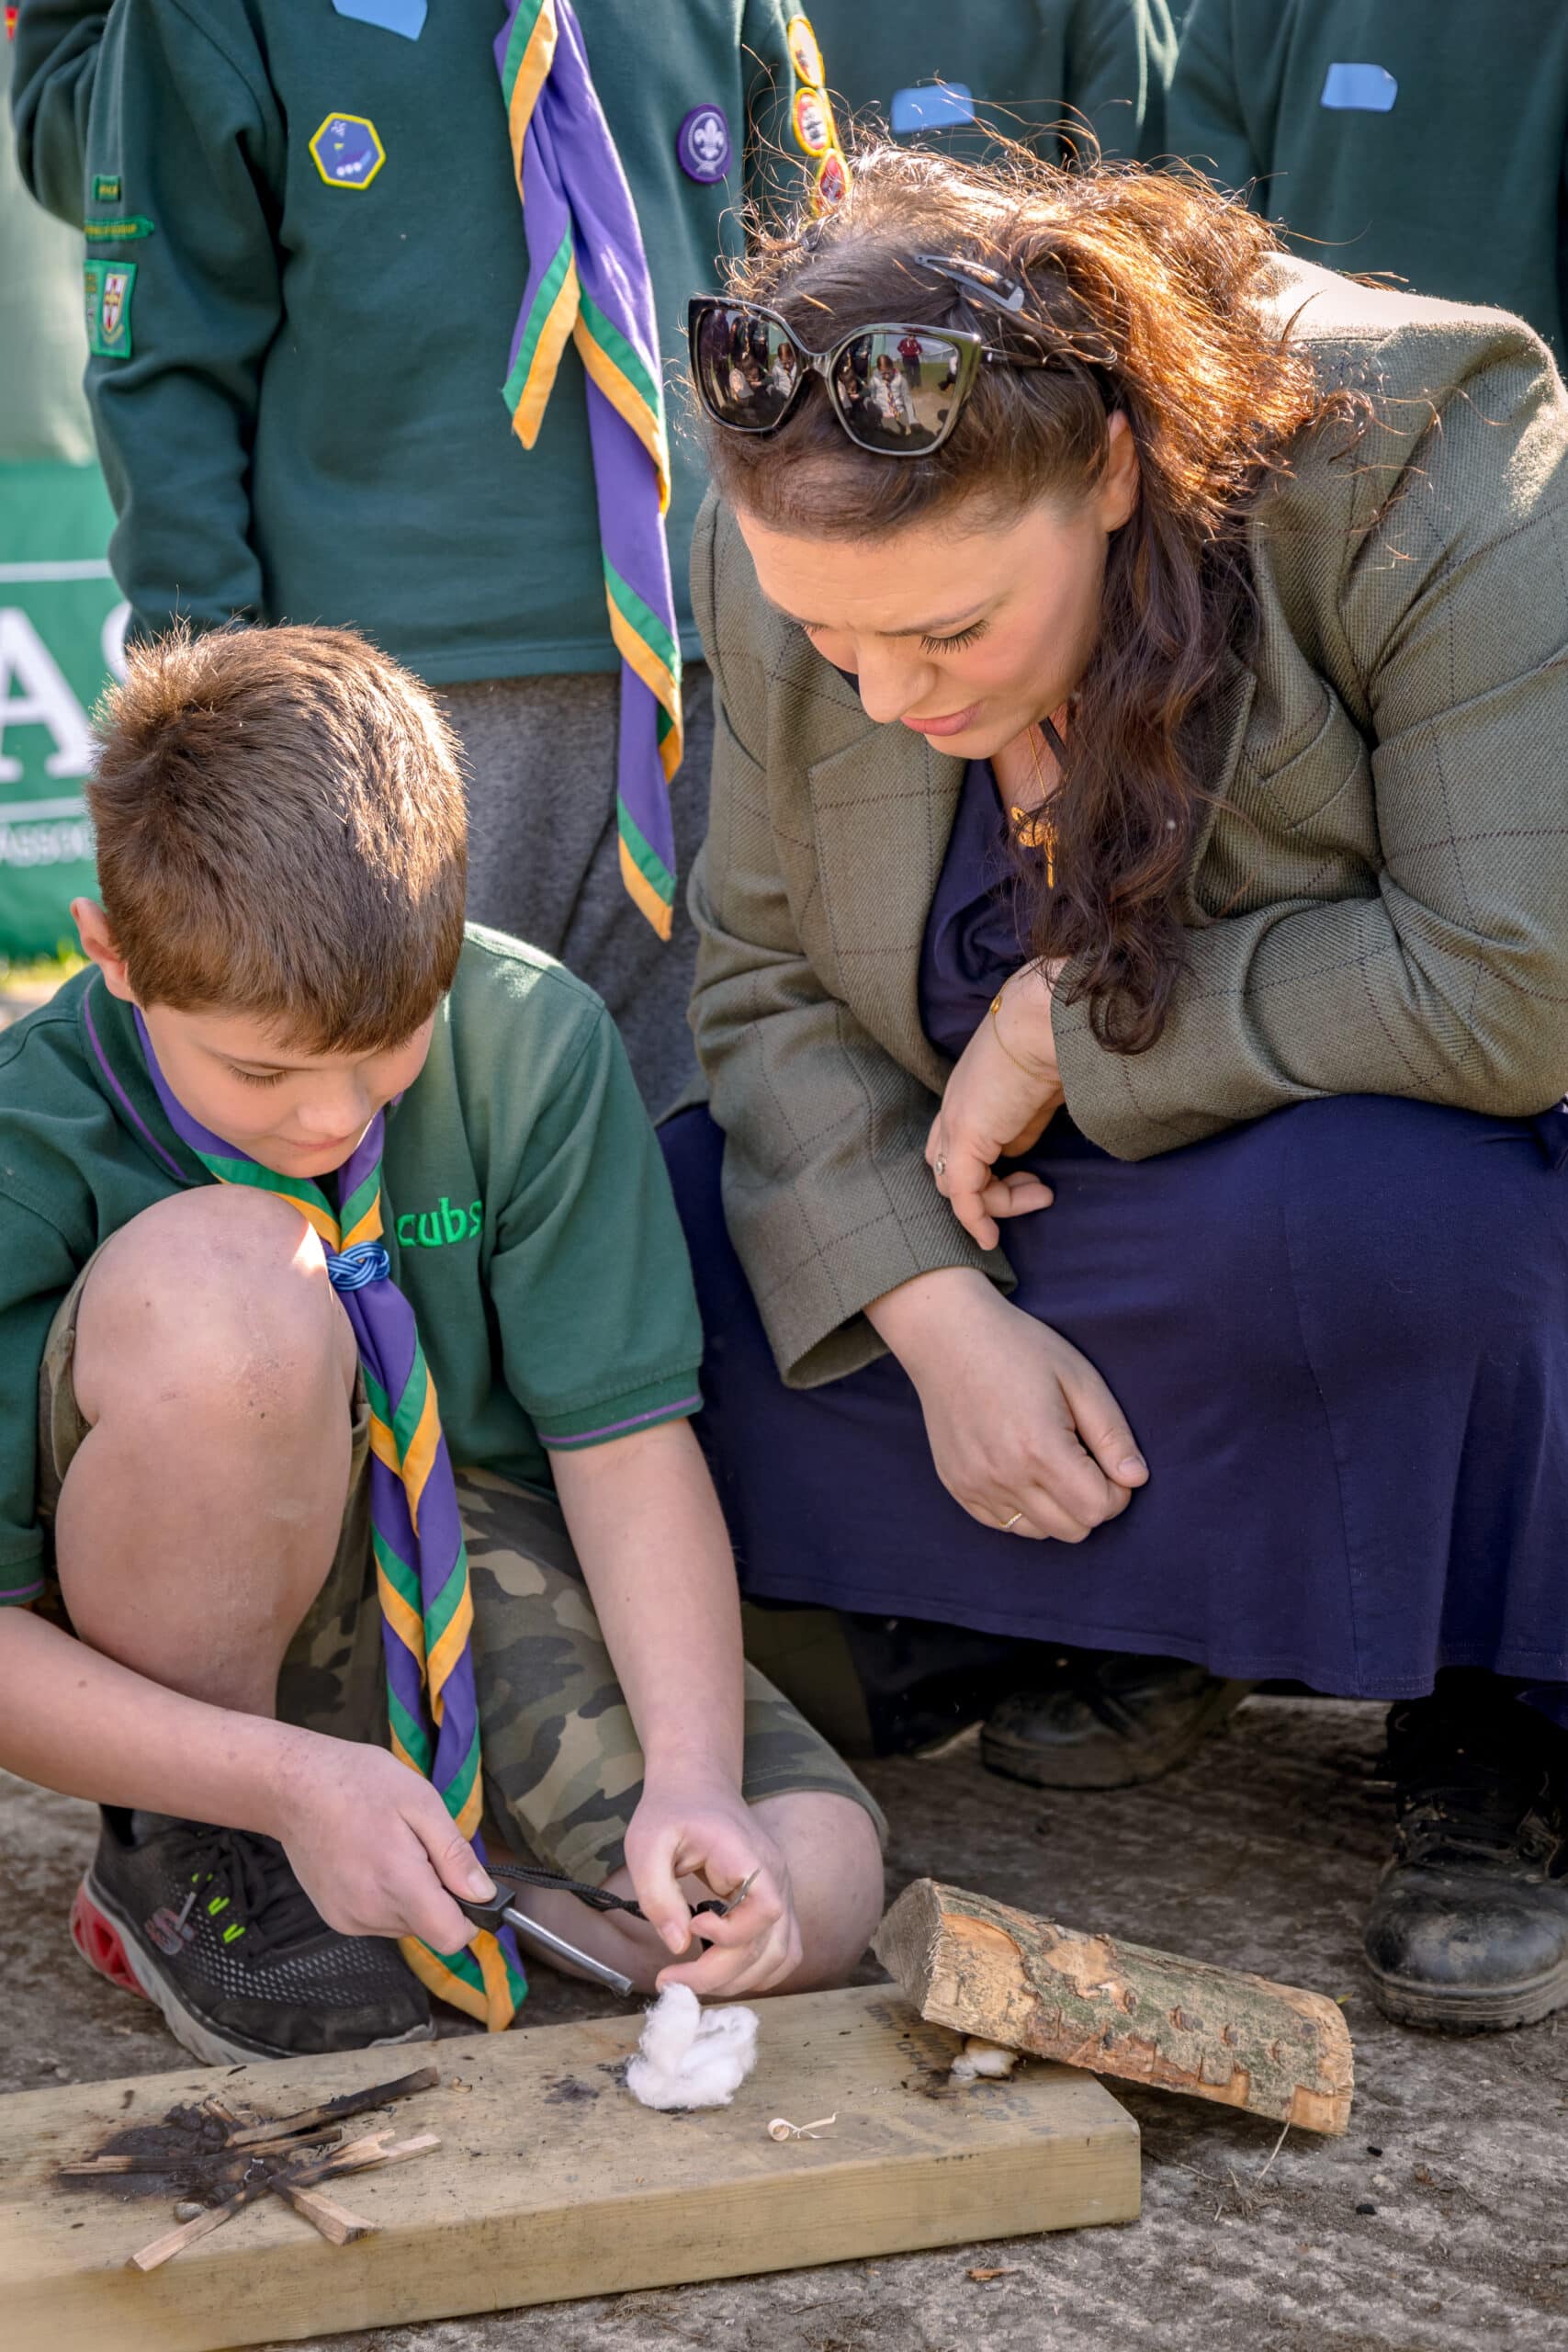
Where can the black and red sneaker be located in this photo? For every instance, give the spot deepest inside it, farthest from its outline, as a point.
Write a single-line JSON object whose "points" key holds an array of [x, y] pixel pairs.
{"points": [[213, 1926]]}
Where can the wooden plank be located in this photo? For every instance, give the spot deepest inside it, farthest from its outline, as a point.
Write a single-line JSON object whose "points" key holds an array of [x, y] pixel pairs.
{"points": [[552, 2183], [1087, 2000]]}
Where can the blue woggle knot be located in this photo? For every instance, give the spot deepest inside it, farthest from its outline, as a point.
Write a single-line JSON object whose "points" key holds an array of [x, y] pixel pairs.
{"points": [[354, 1269]]}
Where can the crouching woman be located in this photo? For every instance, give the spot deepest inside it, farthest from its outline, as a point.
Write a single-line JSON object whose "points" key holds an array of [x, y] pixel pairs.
{"points": [[1133, 998]]}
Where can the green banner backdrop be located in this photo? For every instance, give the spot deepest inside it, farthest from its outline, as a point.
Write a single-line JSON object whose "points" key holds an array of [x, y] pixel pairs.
{"points": [[62, 620]]}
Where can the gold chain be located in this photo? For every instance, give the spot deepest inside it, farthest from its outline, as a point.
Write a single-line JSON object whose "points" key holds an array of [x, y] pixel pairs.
{"points": [[1033, 828]]}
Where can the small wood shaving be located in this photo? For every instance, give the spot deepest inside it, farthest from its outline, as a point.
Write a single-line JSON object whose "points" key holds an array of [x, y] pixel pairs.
{"points": [[1008, 2270], [781, 2128]]}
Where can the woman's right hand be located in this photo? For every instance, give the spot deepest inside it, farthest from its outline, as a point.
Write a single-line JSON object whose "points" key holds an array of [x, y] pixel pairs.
{"points": [[1017, 1419]]}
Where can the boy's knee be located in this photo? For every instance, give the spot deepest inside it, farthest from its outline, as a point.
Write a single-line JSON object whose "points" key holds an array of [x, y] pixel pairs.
{"points": [[222, 1293], [836, 1871]]}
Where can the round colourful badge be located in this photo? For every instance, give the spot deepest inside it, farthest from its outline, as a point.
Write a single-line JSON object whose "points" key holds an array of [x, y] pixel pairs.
{"points": [[832, 179], [804, 53], [813, 120], [701, 145]]}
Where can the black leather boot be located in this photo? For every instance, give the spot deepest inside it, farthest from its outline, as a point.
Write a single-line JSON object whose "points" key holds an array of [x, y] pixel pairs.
{"points": [[1100, 1719], [1468, 1932]]}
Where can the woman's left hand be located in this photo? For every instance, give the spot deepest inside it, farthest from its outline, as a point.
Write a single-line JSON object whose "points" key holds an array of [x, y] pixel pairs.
{"points": [[997, 1104]]}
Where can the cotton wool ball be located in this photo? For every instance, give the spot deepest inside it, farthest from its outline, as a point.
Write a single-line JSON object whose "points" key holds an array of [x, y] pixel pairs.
{"points": [[979, 2058], [690, 2057]]}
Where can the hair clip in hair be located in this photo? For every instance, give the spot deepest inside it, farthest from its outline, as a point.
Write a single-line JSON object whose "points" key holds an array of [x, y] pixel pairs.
{"points": [[974, 277]]}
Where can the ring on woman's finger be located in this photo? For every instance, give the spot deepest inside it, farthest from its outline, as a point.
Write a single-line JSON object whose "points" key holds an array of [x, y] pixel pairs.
{"points": [[1008, 1524]]}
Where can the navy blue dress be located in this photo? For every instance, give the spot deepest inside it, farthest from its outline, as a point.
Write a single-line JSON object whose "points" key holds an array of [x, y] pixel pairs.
{"points": [[1339, 1333]]}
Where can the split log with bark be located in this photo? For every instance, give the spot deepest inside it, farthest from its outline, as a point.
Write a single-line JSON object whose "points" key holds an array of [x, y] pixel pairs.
{"points": [[1118, 2009]]}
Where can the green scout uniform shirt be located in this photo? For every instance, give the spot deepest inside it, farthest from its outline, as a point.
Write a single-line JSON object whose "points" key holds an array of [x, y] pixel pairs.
{"points": [[1025, 64], [43, 347], [529, 1219], [298, 392], [1429, 141]]}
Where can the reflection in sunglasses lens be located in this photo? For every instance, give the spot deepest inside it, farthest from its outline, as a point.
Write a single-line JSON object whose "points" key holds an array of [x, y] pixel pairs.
{"points": [[748, 367], [894, 392]]}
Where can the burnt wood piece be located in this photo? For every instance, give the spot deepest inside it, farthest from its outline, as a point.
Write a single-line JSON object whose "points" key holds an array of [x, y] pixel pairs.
{"points": [[335, 2111]]}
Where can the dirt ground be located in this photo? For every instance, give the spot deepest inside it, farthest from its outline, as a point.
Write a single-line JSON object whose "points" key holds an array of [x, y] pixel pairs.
{"points": [[1440, 2224]]}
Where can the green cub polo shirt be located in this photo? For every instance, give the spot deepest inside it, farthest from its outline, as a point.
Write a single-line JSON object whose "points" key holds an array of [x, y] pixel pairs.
{"points": [[529, 1218], [305, 260], [1426, 139], [1019, 69]]}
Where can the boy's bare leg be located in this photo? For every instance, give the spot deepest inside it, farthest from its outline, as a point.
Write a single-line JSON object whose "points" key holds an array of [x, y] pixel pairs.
{"points": [[835, 1866], [200, 1515]]}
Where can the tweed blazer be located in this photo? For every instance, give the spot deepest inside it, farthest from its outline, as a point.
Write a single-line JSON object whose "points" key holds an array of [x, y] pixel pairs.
{"points": [[1377, 903]]}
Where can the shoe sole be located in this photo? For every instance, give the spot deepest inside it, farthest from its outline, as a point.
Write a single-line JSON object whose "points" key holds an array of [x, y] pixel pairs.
{"points": [[1408, 2003], [1126, 1768], [108, 1944]]}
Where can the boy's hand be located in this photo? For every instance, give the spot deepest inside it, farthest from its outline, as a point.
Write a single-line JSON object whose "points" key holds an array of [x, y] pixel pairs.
{"points": [[373, 1846], [703, 1828]]}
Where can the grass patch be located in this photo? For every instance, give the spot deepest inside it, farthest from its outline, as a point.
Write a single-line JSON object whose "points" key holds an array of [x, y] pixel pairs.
{"points": [[39, 971]]}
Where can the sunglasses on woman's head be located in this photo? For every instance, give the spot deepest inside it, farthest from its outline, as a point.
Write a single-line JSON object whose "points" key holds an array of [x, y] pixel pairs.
{"points": [[897, 388]]}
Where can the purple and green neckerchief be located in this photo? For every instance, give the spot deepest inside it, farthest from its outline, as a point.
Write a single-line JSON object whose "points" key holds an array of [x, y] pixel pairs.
{"points": [[422, 1564], [588, 284]]}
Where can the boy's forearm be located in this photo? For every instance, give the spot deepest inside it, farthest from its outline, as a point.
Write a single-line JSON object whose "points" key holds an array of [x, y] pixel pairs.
{"points": [[77, 1722], [656, 1555]]}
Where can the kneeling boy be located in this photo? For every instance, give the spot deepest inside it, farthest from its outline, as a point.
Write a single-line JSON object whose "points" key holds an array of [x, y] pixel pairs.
{"points": [[294, 1159]]}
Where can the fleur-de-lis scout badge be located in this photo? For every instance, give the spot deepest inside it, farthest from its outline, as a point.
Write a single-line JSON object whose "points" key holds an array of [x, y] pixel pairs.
{"points": [[703, 146]]}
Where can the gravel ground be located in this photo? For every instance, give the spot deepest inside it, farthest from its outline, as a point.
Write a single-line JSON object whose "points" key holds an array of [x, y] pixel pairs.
{"points": [[1439, 2224]]}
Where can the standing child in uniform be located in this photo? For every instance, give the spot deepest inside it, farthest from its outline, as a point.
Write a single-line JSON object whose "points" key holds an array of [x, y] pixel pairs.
{"points": [[1028, 69], [1431, 144], [348, 1346], [383, 299]]}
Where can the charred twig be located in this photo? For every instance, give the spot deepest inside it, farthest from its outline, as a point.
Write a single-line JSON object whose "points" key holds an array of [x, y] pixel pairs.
{"points": [[334, 2110], [301, 2174], [202, 2170]]}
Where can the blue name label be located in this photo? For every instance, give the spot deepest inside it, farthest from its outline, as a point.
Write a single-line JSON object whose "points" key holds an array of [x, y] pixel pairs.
{"points": [[936, 105], [1359, 89], [405, 16]]}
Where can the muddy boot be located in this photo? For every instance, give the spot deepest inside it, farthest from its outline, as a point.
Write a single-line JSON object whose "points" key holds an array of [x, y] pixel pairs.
{"points": [[1468, 1931], [1105, 1720]]}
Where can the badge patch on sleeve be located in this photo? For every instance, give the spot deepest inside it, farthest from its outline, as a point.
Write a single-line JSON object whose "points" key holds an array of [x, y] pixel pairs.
{"points": [[804, 53], [108, 287], [832, 180], [106, 189], [123, 230], [347, 150], [812, 120]]}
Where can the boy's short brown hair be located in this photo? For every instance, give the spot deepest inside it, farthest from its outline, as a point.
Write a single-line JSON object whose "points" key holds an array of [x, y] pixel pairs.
{"points": [[281, 831]]}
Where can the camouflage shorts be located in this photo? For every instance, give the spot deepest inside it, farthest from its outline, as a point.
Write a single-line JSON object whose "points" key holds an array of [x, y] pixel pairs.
{"points": [[562, 1766]]}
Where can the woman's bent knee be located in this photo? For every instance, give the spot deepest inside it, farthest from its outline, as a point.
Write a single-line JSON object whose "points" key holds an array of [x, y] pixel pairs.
{"points": [[218, 1294]]}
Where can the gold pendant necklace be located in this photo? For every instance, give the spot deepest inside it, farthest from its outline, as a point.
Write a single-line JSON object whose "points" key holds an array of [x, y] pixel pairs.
{"points": [[1033, 828]]}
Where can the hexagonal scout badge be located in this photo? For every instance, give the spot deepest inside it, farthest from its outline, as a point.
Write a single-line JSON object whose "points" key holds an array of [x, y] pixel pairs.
{"points": [[347, 150]]}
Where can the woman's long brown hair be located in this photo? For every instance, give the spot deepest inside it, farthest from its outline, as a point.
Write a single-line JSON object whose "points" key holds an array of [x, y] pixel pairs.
{"points": [[1147, 290]]}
